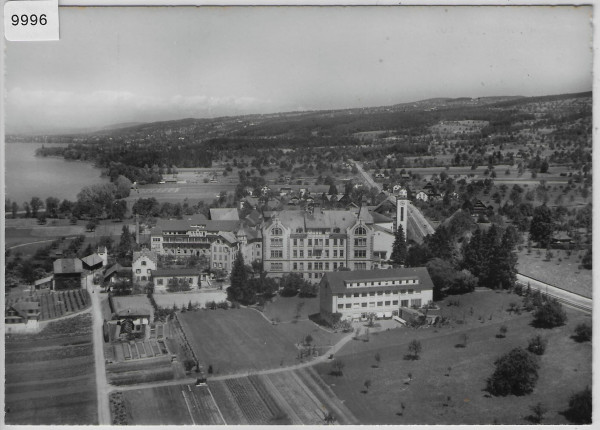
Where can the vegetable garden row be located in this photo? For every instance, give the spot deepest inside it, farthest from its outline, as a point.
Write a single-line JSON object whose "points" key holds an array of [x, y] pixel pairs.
{"points": [[58, 303]]}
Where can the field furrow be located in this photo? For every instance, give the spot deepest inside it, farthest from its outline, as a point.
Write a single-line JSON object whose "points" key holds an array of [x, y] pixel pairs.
{"points": [[227, 404]]}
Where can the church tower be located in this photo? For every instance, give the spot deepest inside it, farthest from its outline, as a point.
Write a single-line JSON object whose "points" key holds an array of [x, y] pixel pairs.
{"points": [[402, 210]]}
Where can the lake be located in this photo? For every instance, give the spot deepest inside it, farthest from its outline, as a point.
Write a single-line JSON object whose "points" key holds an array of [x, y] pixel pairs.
{"points": [[27, 176]]}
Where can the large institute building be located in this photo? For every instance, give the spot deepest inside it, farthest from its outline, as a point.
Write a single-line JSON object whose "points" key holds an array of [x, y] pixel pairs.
{"points": [[383, 292], [312, 244]]}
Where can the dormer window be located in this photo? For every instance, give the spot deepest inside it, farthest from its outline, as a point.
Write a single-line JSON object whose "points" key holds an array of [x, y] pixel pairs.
{"points": [[276, 231], [143, 262], [336, 230], [299, 230]]}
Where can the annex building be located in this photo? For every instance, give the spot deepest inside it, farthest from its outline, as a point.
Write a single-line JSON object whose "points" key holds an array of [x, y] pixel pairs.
{"points": [[354, 294], [218, 240]]}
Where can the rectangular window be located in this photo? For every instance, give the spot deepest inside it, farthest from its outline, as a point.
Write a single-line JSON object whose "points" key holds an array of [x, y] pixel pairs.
{"points": [[327, 266], [387, 302], [309, 266], [309, 242], [334, 242], [335, 253], [416, 302], [277, 242], [295, 266], [380, 293], [295, 253], [360, 241], [301, 242], [340, 306], [360, 253], [295, 242], [309, 253], [276, 266], [326, 242], [335, 266], [341, 242], [276, 253], [356, 295], [301, 253], [364, 294], [395, 302], [159, 281], [326, 253], [379, 303], [340, 296], [364, 305], [341, 253], [372, 293], [138, 271], [371, 304], [301, 266], [348, 305], [404, 303]]}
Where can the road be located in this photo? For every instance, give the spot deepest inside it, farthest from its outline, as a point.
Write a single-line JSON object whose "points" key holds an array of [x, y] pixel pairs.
{"points": [[566, 297], [102, 385], [421, 228], [368, 179]]}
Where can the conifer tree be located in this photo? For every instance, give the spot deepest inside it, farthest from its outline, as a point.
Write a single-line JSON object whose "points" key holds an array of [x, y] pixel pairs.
{"points": [[399, 247], [237, 291]]}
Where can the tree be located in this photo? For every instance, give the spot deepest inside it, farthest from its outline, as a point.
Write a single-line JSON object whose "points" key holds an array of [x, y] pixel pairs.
{"points": [[125, 247], [399, 250], [337, 367], [414, 349], [377, 359], [583, 332], [542, 226], [516, 373], [91, 225], [36, 204], [333, 189], [537, 345], [239, 290], [15, 209], [550, 314], [537, 412], [52, 207], [291, 284], [580, 407], [123, 187], [118, 210]]}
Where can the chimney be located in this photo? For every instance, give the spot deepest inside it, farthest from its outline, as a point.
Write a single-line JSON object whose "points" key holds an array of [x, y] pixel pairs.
{"points": [[137, 229]]}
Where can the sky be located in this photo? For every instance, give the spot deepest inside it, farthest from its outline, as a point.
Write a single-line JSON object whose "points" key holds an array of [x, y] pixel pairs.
{"points": [[117, 65]]}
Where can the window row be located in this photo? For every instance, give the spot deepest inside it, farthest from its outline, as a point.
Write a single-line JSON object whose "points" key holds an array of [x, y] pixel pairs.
{"points": [[374, 293], [319, 242]]}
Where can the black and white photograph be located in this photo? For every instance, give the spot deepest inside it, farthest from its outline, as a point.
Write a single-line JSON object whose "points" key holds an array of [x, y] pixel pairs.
{"points": [[299, 215]]}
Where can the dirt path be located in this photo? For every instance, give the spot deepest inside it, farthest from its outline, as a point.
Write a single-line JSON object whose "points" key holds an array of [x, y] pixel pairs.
{"points": [[102, 385]]}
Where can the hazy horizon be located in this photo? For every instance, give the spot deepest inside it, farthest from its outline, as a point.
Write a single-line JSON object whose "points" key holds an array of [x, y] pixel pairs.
{"points": [[124, 65]]}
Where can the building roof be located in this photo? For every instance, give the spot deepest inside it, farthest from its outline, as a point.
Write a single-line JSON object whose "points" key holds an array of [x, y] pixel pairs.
{"points": [[224, 214], [92, 260], [191, 223], [145, 252], [380, 218], [184, 271], [336, 280], [44, 280], [115, 268], [124, 306], [68, 265]]}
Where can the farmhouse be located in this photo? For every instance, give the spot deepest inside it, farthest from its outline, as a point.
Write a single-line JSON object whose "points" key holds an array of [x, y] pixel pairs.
{"points": [[117, 273], [67, 273], [143, 263], [22, 316], [384, 292], [130, 315]]}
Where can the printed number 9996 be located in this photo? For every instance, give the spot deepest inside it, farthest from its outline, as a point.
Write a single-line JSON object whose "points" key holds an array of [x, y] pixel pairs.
{"points": [[28, 19]]}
